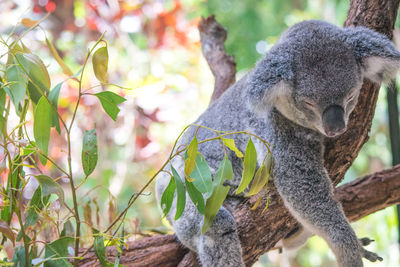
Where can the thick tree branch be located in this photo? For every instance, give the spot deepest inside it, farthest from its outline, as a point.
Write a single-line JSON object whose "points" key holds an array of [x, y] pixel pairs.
{"points": [[260, 231]]}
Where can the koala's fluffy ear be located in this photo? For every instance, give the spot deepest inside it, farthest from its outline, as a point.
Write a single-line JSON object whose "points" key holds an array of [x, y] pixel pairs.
{"points": [[375, 52], [270, 79]]}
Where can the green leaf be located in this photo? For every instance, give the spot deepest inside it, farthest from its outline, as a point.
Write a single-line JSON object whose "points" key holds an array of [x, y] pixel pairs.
{"points": [[180, 192], [100, 64], [260, 179], [110, 102], [49, 186], [41, 126], [68, 229], [6, 231], [230, 143], [19, 257], [196, 196], [89, 151], [99, 249], [36, 205], [214, 203], [39, 79], [58, 249], [190, 161], [16, 85], [2, 100], [168, 196], [202, 176], [53, 97], [249, 166]]}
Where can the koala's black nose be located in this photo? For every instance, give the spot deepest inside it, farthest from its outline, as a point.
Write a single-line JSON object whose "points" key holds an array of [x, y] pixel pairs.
{"points": [[333, 120]]}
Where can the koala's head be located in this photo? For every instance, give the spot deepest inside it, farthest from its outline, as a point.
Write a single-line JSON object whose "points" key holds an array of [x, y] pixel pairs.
{"points": [[313, 75]]}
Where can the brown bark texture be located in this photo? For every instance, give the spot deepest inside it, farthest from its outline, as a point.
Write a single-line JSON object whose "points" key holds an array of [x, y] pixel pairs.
{"points": [[259, 231]]}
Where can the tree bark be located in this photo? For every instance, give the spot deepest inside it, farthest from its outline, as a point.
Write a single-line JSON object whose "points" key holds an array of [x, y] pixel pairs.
{"points": [[259, 231]]}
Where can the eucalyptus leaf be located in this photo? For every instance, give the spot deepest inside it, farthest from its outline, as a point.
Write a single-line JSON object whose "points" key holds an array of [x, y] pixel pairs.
{"points": [[53, 97], [99, 249], [110, 102], [168, 196], [180, 192], [202, 176], [196, 196], [214, 203], [66, 70], [56, 253], [249, 166], [89, 151], [100, 64], [230, 143], [16, 85], [190, 161], [42, 119]]}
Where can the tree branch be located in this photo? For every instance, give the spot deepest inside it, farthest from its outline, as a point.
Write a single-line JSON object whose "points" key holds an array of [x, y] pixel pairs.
{"points": [[259, 231]]}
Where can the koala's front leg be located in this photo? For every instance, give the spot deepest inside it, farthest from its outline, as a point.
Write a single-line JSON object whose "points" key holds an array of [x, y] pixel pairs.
{"points": [[308, 195]]}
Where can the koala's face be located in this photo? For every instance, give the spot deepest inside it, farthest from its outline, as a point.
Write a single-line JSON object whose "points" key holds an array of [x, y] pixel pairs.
{"points": [[313, 74], [323, 91]]}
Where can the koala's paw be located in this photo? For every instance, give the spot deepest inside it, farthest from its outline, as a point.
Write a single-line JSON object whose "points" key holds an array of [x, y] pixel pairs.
{"points": [[365, 241], [371, 256]]}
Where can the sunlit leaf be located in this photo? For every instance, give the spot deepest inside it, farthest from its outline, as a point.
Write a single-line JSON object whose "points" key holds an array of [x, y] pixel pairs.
{"points": [[230, 143], [66, 70], [49, 186], [168, 196], [58, 249], [196, 196], [190, 161], [16, 85], [41, 126], [202, 176], [260, 179], [100, 250], [214, 203], [249, 166], [27, 22], [100, 64], [6, 231], [258, 201], [89, 151], [53, 97], [180, 192], [110, 102], [39, 79]]}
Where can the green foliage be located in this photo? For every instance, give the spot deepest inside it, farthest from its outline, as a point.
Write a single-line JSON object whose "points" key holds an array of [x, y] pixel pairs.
{"points": [[202, 176], [89, 151], [110, 102], [100, 64], [41, 126], [180, 192], [48, 186], [100, 250], [249, 166], [56, 253]]}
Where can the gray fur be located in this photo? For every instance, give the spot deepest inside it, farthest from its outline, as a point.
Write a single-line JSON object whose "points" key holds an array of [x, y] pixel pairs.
{"points": [[313, 66]]}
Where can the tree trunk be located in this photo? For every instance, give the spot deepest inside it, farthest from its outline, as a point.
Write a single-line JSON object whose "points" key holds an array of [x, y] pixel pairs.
{"points": [[259, 231]]}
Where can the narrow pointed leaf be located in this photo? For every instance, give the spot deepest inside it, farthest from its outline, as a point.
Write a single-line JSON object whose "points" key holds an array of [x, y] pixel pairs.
{"points": [[260, 179], [53, 97], [258, 201], [190, 161], [6, 231], [36, 205], [214, 203], [66, 70], [168, 196], [41, 126], [89, 151], [49, 186], [196, 196], [230, 143], [202, 176], [16, 85], [110, 102], [249, 166], [180, 192], [100, 64]]}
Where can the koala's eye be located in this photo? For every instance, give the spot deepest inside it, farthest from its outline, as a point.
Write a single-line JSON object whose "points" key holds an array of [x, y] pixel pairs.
{"points": [[309, 104]]}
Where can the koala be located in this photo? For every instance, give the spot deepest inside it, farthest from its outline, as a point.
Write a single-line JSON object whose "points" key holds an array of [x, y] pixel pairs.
{"points": [[300, 93]]}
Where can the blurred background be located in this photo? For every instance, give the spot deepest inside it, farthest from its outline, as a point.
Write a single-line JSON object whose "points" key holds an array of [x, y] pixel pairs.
{"points": [[155, 51]]}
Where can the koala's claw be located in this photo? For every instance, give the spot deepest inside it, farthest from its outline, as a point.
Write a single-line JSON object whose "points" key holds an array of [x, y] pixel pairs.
{"points": [[365, 241], [371, 256]]}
